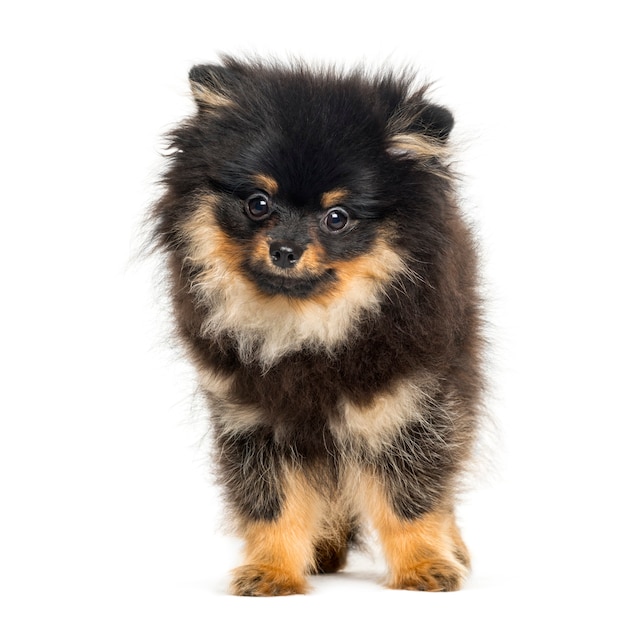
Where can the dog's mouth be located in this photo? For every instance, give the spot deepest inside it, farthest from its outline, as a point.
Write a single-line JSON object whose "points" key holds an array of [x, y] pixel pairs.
{"points": [[299, 286]]}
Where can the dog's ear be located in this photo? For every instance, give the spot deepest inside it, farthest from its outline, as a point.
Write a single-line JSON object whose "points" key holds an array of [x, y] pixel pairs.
{"points": [[434, 121], [419, 128], [212, 85]]}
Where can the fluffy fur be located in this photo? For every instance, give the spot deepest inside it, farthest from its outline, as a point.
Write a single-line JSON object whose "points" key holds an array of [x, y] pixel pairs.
{"points": [[324, 284]]}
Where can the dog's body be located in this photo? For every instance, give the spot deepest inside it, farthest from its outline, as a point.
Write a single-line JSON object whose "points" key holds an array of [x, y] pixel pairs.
{"points": [[324, 284]]}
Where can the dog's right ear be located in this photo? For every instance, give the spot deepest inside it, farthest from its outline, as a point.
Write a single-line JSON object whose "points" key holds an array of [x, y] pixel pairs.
{"points": [[212, 85]]}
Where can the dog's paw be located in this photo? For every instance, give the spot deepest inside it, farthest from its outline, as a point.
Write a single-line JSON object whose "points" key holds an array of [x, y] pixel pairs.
{"points": [[433, 575], [263, 580], [330, 558]]}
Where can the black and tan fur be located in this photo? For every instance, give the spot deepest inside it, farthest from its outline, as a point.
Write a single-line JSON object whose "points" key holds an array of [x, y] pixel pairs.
{"points": [[324, 285]]}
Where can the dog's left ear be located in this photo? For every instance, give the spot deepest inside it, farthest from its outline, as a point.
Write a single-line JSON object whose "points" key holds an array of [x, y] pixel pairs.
{"points": [[419, 128], [434, 121]]}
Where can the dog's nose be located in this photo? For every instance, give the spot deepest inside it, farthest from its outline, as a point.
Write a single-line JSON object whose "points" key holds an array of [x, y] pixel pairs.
{"points": [[285, 254]]}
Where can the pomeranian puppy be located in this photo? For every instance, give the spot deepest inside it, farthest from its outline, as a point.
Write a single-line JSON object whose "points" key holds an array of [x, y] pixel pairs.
{"points": [[324, 284]]}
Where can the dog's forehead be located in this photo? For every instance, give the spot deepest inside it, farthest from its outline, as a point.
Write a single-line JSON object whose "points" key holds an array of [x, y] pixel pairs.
{"points": [[304, 162], [301, 137], [307, 175]]}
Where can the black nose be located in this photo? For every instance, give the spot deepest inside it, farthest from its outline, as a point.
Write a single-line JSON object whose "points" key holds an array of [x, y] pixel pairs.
{"points": [[284, 254]]}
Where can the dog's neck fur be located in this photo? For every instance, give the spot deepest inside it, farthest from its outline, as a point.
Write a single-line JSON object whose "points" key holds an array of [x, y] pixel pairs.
{"points": [[266, 328]]}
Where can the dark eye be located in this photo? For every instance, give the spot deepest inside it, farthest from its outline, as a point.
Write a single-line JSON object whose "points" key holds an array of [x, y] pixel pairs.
{"points": [[258, 207], [336, 220]]}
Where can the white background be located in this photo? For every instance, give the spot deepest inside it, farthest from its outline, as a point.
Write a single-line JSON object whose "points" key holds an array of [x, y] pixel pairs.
{"points": [[107, 508]]}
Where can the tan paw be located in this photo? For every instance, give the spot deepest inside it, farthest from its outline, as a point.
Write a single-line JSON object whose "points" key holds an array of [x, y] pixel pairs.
{"points": [[435, 575], [263, 580]]}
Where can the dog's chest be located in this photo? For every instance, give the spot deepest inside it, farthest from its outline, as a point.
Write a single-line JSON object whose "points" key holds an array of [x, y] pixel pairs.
{"points": [[317, 405]]}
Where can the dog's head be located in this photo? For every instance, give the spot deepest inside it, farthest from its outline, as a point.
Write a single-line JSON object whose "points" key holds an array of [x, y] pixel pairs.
{"points": [[301, 192]]}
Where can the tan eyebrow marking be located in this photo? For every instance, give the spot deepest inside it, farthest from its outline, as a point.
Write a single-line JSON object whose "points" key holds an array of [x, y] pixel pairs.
{"points": [[334, 197], [266, 183]]}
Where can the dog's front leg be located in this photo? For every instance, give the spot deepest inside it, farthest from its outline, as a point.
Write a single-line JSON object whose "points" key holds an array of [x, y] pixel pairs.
{"points": [[277, 514], [424, 552], [280, 551]]}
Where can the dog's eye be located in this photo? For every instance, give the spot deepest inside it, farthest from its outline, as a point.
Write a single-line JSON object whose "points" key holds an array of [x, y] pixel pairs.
{"points": [[336, 220], [258, 207]]}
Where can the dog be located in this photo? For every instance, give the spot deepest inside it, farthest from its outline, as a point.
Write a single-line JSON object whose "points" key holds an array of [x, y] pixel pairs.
{"points": [[324, 283]]}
